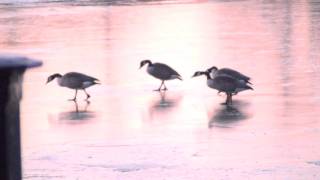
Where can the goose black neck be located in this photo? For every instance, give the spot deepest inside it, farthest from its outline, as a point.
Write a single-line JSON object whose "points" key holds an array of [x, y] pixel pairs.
{"points": [[56, 75], [207, 75], [148, 62]]}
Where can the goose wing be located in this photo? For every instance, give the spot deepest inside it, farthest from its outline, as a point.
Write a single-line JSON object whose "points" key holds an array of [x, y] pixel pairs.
{"points": [[80, 77], [166, 71], [77, 80], [224, 83], [233, 73]]}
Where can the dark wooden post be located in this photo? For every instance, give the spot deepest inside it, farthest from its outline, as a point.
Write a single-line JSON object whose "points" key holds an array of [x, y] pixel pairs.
{"points": [[11, 73]]}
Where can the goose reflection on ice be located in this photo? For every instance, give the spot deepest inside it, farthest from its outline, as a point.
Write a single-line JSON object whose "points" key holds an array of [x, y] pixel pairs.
{"points": [[163, 103], [77, 114], [226, 116], [161, 107]]}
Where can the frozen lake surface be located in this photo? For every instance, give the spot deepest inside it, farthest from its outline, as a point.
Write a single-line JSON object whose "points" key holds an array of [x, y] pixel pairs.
{"points": [[127, 131]]}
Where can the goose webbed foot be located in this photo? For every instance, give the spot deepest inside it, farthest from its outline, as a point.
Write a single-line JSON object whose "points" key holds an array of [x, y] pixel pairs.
{"points": [[228, 100], [165, 87], [229, 104], [88, 96], [75, 96], [159, 89]]}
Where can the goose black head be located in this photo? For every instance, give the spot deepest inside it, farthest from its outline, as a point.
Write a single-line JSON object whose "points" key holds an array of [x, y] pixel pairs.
{"points": [[212, 69], [50, 78], [198, 73], [143, 62]]}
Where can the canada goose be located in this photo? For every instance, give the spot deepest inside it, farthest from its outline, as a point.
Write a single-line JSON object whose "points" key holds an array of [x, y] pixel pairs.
{"points": [[74, 80], [160, 71], [224, 83], [214, 71]]}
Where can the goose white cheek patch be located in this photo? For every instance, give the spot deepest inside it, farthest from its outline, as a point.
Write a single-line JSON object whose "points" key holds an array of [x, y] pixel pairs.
{"points": [[213, 74]]}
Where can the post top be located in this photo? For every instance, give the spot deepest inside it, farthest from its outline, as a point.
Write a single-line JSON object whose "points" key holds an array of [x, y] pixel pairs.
{"points": [[17, 61]]}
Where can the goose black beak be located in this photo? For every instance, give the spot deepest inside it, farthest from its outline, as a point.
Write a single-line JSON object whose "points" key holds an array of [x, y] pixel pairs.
{"points": [[195, 75], [47, 81]]}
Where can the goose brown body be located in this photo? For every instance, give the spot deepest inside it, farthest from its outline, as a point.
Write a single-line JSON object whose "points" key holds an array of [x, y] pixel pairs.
{"points": [[160, 71], [74, 80], [224, 83], [214, 71]]}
